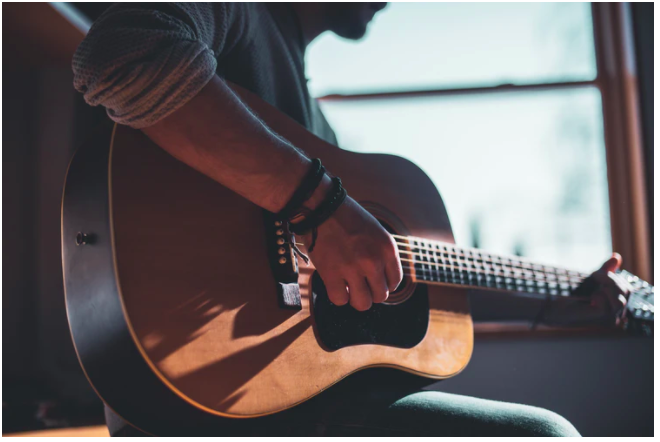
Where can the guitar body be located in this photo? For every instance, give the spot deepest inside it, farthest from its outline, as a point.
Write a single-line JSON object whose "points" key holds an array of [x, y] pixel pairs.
{"points": [[172, 301]]}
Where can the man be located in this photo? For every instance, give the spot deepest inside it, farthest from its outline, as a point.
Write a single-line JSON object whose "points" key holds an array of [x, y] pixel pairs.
{"points": [[162, 68]]}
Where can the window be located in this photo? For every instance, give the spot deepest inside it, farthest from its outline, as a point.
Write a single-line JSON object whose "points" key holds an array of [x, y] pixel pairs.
{"points": [[498, 103], [440, 45]]}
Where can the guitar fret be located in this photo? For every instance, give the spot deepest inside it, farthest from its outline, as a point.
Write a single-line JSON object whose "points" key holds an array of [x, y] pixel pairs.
{"points": [[434, 261], [441, 271], [444, 263]]}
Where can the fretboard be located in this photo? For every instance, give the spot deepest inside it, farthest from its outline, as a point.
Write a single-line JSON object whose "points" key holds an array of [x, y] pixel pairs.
{"points": [[447, 264]]}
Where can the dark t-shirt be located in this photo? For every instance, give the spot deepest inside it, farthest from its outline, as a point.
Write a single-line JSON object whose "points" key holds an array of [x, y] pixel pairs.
{"points": [[143, 61]]}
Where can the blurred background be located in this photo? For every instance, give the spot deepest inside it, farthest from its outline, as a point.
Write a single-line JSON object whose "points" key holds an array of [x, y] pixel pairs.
{"points": [[534, 120]]}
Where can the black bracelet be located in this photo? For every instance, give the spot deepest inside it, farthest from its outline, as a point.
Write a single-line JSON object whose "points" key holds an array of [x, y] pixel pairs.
{"points": [[304, 192], [321, 214]]}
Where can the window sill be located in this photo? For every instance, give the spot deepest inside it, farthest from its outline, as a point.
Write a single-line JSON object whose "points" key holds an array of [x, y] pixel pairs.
{"points": [[517, 329]]}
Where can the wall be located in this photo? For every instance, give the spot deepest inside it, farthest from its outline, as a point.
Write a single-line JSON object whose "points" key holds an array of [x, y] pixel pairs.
{"points": [[602, 385], [43, 122]]}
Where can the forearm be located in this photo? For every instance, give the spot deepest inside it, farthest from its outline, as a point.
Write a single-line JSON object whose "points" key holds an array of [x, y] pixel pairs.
{"points": [[216, 134]]}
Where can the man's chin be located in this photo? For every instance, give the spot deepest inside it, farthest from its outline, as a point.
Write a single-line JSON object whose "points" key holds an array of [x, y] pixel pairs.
{"points": [[353, 33]]}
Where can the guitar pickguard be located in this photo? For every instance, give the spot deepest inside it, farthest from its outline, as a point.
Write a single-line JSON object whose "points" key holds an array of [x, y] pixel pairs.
{"points": [[402, 325]]}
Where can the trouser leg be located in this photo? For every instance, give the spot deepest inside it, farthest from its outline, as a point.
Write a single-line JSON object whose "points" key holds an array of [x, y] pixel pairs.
{"points": [[384, 402]]}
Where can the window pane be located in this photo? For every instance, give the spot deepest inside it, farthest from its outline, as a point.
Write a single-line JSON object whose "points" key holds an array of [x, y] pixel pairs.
{"points": [[519, 172], [437, 45]]}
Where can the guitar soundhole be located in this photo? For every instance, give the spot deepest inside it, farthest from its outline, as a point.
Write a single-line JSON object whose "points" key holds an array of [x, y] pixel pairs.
{"points": [[401, 325], [406, 287]]}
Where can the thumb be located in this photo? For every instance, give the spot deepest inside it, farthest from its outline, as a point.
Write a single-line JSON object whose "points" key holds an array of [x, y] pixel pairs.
{"points": [[612, 264]]}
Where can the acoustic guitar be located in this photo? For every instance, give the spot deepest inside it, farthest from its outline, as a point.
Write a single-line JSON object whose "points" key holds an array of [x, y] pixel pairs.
{"points": [[185, 300]]}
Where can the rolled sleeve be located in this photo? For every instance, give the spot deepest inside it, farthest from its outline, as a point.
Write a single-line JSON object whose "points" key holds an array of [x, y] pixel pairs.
{"points": [[144, 64]]}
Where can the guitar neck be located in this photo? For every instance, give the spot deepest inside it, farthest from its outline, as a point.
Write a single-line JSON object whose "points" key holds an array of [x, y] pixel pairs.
{"points": [[440, 263]]}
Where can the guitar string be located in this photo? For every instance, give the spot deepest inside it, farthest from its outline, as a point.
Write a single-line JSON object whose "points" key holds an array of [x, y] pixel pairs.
{"points": [[576, 277], [564, 279], [514, 287], [493, 264], [486, 259], [518, 287], [542, 275], [436, 272], [482, 272], [526, 289], [496, 272], [438, 267], [489, 257]]}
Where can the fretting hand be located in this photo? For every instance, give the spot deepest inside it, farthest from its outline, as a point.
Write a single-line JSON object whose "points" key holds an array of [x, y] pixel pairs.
{"points": [[600, 299]]}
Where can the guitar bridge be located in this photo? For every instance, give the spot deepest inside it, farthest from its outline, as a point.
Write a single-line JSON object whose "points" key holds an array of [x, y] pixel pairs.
{"points": [[283, 261]]}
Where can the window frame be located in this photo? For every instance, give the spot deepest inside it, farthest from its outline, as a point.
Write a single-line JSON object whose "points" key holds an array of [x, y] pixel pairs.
{"points": [[616, 80]]}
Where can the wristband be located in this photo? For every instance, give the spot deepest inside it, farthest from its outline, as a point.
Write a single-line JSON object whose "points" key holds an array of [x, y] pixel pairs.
{"points": [[321, 214], [307, 187]]}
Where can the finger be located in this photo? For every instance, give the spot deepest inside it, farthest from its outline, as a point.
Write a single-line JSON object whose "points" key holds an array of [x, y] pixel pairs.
{"points": [[612, 293], [378, 287], [393, 270], [623, 286], [612, 264], [337, 292], [359, 293]]}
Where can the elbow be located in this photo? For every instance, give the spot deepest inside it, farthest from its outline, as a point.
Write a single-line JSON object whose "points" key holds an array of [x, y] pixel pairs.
{"points": [[142, 88]]}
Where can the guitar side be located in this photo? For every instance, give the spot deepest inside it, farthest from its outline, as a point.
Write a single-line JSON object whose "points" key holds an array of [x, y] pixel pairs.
{"points": [[172, 299]]}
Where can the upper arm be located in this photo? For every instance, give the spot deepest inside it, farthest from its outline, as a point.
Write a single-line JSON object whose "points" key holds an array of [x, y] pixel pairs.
{"points": [[142, 61]]}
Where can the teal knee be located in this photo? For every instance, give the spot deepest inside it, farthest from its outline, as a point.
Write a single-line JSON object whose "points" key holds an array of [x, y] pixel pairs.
{"points": [[540, 422], [448, 414]]}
